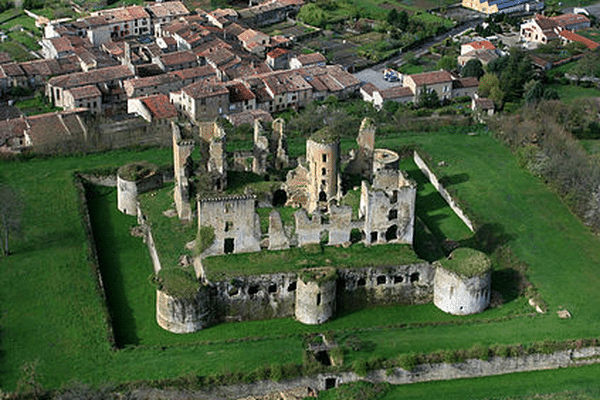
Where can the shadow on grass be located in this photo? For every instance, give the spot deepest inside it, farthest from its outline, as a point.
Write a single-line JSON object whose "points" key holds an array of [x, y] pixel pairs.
{"points": [[454, 179], [107, 247]]}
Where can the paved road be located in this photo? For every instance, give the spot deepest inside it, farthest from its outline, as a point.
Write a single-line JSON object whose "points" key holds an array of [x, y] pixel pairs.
{"points": [[374, 74]]}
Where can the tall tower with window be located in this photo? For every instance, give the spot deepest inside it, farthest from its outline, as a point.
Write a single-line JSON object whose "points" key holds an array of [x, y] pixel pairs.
{"points": [[323, 159]]}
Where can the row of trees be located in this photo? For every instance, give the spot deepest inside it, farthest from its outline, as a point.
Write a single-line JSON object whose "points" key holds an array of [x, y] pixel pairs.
{"points": [[541, 136]]}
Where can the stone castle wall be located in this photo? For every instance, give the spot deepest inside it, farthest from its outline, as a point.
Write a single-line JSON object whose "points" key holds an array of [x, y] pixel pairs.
{"points": [[179, 315], [401, 284], [255, 297]]}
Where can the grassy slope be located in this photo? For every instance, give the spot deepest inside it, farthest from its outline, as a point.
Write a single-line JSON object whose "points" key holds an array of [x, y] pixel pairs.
{"points": [[69, 339]]}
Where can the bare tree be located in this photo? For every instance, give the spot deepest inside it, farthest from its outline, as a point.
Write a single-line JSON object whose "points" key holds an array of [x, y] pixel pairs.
{"points": [[10, 216]]}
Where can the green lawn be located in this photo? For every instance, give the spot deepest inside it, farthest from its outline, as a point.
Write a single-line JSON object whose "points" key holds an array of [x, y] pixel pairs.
{"points": [[52, 313], [568, 93], [35, 106]]}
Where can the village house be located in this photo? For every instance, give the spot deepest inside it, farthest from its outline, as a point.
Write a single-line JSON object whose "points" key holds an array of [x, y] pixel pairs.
{"points": [[270, 12], [440, 81], [202, 101], [240, 98], [196, 74], [88, 97], [110, 24], [503, 6], [278, 58], [152, 85], [155, 109], [543, 29], [308, 60], [176, 61], [106, 79], [165, 12]]}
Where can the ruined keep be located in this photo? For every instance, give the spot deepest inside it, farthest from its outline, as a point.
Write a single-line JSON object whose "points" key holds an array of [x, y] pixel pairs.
{"points": [[382, 212], [462, 283], [134, 179]]}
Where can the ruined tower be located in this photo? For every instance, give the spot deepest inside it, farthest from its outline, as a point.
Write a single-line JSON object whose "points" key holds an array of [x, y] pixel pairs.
{"points": [[183, 146], [323, 159]]}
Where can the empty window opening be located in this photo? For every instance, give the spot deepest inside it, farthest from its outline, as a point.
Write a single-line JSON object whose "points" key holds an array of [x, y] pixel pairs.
{"points": [[361, 282], [233, 292], [228, 207], [279, 198], [322, 196], [381, 279], [391, 233], [392, 215], [291, 287], [394, 198], [323, 171], [330, 383], [228, 226], [414, 277], [373, 237], [398, 279], [252, 290], [323, 357], [228, 246], [323, 184], [324, 158], [272, 288]]}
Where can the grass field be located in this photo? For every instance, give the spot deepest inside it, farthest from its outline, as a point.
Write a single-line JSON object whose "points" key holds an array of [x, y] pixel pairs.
{"points": [[52, 313], [568, 93]]}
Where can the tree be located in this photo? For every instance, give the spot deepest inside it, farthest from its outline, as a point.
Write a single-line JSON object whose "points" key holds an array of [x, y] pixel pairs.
{"points": [[312, 14], [428, 98], [489, 86], [473, 67], [447, 63], [10, 216], [534, 91]]}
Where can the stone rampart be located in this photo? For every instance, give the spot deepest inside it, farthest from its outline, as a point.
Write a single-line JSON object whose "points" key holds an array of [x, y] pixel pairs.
{"points": [[442, 191], [471, 368], [255, 297], [401, 284], [459, 295]]}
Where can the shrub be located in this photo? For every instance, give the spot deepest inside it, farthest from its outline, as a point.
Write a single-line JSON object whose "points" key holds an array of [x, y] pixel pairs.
{"points": [[479, 352], [360, 367], [205, 239], [177, 282], [276, 372], [408, 361]]}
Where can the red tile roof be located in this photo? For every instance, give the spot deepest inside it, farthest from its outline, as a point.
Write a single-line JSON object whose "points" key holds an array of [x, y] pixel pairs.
{"points": [[85, 92], [482, 45], [205, 89], [120, 72], [311, 59], [238, 93], [178, 57], [278, 52], [116, 15], [431, 78], [573, 37], [160, 107], [470, 81], [396, 92], [203, 71], [369, 88], [168, 9], [5, 58]]}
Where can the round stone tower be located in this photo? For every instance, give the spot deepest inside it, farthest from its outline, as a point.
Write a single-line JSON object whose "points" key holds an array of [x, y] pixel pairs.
{"points": [[323, 158], [462, 282], [182, 314], [315, 295], [133, 179]]}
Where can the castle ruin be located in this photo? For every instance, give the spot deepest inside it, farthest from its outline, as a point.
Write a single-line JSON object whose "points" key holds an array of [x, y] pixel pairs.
{"points": [[383, 213]]}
